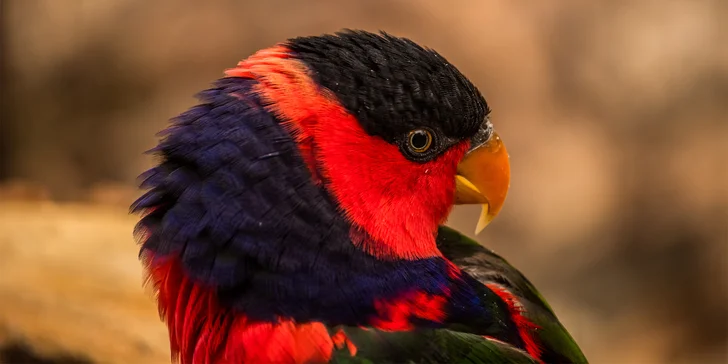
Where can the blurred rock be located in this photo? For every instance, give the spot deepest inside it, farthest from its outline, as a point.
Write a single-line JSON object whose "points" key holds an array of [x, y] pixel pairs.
{"points": [[71, 285]]}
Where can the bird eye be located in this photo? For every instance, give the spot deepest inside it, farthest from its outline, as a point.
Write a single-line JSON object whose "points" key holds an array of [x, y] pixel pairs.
{"points": [[420, 140]]}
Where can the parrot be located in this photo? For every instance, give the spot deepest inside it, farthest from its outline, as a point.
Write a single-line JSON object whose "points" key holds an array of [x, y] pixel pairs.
{"points": [[297, 214]]}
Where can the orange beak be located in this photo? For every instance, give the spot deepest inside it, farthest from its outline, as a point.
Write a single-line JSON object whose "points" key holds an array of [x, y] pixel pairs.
{"points": [[484, 176]]}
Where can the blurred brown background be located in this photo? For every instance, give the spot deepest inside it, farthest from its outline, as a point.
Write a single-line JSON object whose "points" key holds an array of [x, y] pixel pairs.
{"points": [[615, 114]]}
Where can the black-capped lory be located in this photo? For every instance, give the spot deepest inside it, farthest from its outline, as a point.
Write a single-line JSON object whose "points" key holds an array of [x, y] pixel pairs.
{"points": [[296, 215]]}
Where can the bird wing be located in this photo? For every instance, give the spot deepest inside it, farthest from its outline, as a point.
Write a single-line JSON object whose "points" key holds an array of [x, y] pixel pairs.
{"points": [[554, 341]]}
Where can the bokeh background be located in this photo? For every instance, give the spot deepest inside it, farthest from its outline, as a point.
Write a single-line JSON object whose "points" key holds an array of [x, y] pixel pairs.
{"points": [[615, 114]]}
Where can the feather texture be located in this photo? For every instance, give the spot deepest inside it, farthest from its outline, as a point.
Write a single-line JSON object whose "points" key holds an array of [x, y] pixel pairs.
{"points": [[263, 248]]}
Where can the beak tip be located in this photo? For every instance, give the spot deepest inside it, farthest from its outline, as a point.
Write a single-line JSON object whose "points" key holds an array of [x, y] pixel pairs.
{"points": [[484, 219]]}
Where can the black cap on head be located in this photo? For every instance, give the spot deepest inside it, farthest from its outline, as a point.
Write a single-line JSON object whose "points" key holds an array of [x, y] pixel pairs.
{"points": [[392, 85]]}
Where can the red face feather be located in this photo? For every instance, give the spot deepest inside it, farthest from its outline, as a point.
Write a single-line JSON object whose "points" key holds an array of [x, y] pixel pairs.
{"points": [[371, 180]]}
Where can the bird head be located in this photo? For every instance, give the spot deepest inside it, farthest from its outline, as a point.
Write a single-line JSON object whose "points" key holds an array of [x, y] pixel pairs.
{"points": [[392, 131]]}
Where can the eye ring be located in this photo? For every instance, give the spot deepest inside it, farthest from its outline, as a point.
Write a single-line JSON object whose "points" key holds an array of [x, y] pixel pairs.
{"points": [[419, 140]]}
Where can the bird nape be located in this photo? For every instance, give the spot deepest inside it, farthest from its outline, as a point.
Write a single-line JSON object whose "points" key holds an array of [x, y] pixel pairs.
{"points": [[296, 215]]}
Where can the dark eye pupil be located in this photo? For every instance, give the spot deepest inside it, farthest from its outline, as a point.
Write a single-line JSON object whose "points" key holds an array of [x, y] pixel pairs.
{"points": [[419, 139]]}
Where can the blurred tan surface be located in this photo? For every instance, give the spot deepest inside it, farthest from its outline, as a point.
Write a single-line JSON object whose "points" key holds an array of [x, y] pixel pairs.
{"points": [[614, 114], [71, 283]]}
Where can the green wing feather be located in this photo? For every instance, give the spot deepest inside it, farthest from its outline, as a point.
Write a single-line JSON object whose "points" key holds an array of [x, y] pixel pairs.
{"points": [[488, 267], [451, 346], [427, 346]]}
